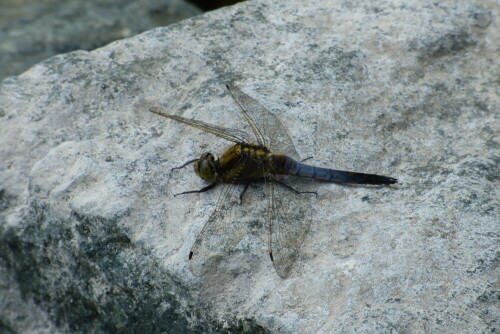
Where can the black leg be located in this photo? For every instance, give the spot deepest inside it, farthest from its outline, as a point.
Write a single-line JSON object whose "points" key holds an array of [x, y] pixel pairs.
{"points": [[295, 190], [306, 159], [184, 165], [243, 192], [202, 190]]}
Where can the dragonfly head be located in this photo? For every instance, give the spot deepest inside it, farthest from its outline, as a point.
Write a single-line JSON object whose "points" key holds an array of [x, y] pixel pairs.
{"points": [[205, 167]]}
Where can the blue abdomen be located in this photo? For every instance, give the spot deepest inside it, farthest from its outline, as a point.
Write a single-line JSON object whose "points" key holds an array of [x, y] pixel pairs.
{"points": [[300, 169]]}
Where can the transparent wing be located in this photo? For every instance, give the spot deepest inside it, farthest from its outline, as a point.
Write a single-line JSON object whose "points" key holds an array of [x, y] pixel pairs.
{"points": [[289, 219], [222, 231], [233, 135], [267, 128], [219, 235]]}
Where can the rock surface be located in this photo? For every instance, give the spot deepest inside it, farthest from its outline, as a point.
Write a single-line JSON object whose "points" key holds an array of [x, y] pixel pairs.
{"points": [[34, 30], [92, 239]]}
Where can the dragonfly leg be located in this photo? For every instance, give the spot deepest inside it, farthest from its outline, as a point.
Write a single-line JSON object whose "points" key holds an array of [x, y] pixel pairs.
{"points": [[295, 190], [202, 190], [185, 164], [243, 192], [306, 159]]}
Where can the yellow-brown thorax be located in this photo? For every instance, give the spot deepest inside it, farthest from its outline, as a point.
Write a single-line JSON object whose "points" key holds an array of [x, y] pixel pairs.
{"points": [[242, 163]]}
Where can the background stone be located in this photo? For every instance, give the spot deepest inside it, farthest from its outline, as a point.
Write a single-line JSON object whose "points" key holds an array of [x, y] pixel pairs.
{"points": [[31, 31], [92, 238]]}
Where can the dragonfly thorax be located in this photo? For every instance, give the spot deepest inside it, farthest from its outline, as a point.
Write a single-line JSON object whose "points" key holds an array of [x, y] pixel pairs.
{"points": [[205, 167]]}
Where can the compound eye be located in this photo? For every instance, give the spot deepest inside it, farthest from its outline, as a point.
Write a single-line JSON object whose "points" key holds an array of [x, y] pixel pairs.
{"points": [[205, 167]]}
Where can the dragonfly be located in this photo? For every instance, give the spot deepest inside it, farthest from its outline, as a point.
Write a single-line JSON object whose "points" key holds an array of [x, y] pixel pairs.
{"points": [[267, 156]]}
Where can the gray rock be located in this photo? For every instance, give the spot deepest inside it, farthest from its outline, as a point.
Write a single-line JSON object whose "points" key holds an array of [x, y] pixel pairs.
{"points": [[31, 31], [92, 239]]}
